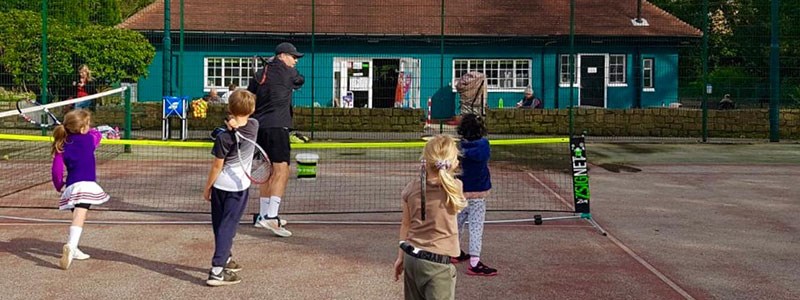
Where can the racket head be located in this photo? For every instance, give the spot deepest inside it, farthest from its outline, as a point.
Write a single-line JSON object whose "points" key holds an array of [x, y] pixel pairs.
{"points": [[259, 168], [39, 116]]}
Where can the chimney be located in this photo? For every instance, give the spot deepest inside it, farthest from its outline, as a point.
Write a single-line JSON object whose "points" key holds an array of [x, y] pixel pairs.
{"points": [[639, 21]]}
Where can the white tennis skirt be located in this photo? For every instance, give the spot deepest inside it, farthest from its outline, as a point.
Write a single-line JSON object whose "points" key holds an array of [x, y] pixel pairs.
{"points": [[88, 192]]}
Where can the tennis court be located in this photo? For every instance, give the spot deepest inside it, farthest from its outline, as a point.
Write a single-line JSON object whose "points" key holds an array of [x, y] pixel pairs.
{"points": [[718, 225]]}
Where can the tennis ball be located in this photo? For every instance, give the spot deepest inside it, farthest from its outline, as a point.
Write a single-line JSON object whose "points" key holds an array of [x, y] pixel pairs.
{"points": [[5, 157]]}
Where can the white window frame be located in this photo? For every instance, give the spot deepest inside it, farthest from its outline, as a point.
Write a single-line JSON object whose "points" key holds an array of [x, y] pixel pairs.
{"points": [[561, 69], [480, 65], [649, 71], [245, 67], [611, 82]]}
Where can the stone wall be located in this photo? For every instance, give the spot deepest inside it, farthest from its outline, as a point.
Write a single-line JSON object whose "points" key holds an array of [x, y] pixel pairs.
{"points": [[656, 122], [147, 115]]}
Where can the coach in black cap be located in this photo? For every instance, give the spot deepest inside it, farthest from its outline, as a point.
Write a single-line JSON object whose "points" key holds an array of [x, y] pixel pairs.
{"points": [[273, 86], [287, 48]]}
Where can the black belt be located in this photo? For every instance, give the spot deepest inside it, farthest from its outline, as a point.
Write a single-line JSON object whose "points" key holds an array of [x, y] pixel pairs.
{"points": [[422, 254]]}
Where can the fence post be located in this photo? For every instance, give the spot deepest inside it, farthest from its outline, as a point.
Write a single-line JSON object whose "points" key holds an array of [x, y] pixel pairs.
{"points": [[704, 105], [44, 57], [166, 51], [774, 74], [313, 59], [128, 118], [571, 62]]}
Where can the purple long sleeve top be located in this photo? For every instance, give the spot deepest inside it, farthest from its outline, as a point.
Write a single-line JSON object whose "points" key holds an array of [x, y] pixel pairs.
{"points": [[78, 158]]}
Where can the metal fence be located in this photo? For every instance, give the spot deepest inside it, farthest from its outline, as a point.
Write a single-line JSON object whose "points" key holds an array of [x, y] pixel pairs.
{"points": [[738, 55]]}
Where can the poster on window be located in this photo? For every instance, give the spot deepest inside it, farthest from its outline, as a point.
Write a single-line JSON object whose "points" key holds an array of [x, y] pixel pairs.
{"points": [[347, 100], [359, 83]]}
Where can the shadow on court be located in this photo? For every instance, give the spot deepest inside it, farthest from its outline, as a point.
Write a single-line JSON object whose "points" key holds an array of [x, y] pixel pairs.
{"points": [[46, 254]]}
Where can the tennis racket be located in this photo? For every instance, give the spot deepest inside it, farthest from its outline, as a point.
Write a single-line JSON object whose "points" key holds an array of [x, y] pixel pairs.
{"points": [[423, 183], [36, 114], [259, 168]]}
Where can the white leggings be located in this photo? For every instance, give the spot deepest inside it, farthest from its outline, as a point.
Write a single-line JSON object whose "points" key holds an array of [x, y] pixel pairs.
{"points": [[475, 213]]}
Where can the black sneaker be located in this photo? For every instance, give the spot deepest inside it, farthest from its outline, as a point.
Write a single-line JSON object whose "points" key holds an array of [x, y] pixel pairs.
{"points": [[461, 257], [232, 266], [481, 270], [223, 278]]}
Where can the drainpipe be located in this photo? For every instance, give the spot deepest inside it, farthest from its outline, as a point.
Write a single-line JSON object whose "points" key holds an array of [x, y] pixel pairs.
{"points": [[543, 82]]}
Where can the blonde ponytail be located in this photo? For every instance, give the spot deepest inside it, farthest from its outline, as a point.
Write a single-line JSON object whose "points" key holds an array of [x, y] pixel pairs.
{"points": [[455, 197], [441, 155]]}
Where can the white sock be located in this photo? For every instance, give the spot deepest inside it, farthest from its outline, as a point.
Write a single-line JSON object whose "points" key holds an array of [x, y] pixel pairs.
{"points": [[264, 207], [216, 270], [274, 204], [74, 236], [474, 260]]}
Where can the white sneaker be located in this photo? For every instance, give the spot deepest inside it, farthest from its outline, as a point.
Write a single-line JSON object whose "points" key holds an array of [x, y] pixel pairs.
{"points": [[257, 218], [66, 257], [79, 255], [273, 225]]}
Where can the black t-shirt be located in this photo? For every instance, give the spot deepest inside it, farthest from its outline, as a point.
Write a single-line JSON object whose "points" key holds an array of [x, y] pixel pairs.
{"points": [[274, 97]]}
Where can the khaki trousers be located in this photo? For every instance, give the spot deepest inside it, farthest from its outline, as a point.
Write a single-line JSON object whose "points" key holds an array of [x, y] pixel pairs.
{"points": [[427, 280]]}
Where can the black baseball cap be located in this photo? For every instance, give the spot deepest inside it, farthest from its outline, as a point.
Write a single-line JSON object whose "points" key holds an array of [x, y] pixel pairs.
{"points": [[287, 48]]}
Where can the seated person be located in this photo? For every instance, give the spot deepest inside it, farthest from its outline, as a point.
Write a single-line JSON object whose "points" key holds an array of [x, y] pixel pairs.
{"points": [[212, 96], [529, 100], [726, 103], [231, 88]]}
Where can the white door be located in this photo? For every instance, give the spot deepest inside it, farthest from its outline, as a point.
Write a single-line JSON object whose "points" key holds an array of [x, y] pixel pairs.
{"points": [[355, 79]]}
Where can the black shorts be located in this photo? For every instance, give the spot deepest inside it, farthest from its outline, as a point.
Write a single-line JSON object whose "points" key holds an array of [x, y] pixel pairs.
{"points": [[275, 142], [81, 205]]}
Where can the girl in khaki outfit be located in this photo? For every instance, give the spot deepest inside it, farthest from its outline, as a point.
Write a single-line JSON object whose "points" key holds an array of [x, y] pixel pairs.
{"points": [[429, 231]]}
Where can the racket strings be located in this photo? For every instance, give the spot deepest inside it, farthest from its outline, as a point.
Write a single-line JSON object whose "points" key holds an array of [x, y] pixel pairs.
{"points": [[259, 169]]}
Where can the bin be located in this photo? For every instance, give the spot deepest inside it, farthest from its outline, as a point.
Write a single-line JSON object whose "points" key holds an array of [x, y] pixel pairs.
{"points": [[307, 165]]}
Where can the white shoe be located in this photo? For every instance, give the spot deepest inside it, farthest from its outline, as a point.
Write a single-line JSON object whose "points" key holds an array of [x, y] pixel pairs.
{"points": [[79, 255], [259, 218], [66, 257], [273, 225]]}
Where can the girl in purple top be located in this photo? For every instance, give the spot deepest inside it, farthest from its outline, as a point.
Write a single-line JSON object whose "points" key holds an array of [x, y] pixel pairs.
{"points": [[74, 143]]}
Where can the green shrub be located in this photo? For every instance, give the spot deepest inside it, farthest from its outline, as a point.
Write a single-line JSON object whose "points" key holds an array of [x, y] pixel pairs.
{"points": [[11, 96]]}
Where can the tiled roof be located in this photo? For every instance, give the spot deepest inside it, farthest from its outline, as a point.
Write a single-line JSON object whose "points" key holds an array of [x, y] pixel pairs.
{"points": [[610, 18]]}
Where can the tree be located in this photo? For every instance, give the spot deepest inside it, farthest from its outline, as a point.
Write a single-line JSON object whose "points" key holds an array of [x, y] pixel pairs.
{"points": [[74, 12], [114, 54], [106, 12], [739, 40]]}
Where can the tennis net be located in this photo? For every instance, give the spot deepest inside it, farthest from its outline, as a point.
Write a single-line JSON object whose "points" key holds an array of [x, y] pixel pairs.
{"points": [[163, 176]]}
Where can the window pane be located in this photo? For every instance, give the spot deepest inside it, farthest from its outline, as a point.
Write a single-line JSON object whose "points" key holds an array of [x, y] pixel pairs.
{"points": [[234, 63]]}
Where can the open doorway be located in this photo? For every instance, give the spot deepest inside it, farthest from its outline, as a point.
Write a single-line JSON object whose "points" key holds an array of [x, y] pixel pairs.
{"points": [[384, 82], [376, 82]]}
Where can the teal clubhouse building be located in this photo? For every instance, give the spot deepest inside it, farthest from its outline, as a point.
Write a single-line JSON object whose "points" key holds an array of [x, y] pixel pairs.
{"points": [[402, 53]]}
